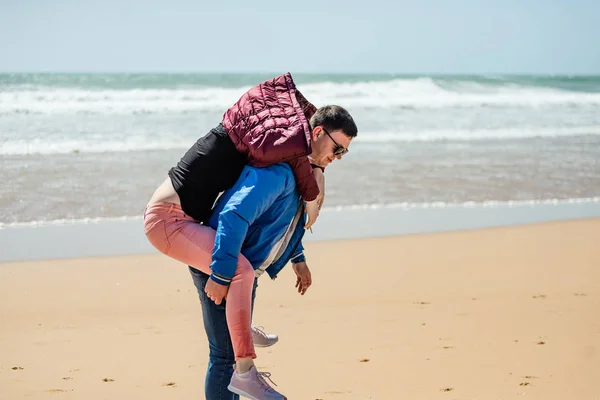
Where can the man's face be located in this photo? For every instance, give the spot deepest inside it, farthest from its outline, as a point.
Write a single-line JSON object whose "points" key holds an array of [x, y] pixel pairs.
{"points": [[328, 146]]}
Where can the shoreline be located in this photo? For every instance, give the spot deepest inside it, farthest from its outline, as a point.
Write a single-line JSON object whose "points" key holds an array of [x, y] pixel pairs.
{"points": [[126, 237]]}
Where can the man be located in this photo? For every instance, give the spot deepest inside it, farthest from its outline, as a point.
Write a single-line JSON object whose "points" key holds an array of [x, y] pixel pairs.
{"points": [[261, 217]]}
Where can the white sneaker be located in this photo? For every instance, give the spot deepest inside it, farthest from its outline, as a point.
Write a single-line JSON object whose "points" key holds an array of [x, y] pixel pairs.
{"points": [[262, 339], [254, 385]]}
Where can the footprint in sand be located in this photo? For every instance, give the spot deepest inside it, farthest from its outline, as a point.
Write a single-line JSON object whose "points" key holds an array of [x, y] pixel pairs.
{"points": [[57, 390], [170, 384], [447, 389], [17, 368], [108, 380], [364, 360], [67, 378], [539, 296]]}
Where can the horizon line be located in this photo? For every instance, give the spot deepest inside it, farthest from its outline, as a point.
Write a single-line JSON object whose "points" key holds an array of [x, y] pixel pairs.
{"points": [[198, 72]]}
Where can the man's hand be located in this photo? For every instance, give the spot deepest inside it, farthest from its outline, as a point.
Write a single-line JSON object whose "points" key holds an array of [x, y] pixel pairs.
{"points": [[215, 291], [303, 277]]}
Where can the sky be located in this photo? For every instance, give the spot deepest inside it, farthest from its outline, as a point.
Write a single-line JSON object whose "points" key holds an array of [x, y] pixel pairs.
{"points": [[354, 36]]}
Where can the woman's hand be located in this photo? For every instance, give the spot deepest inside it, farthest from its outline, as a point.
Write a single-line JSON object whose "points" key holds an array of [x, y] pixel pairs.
{"points": [[314, 207], [320, 177], [312, 210]]}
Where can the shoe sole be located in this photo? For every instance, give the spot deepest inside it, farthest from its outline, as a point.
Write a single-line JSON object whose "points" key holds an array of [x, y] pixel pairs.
{"points": [[264, 345], [242, 393]]}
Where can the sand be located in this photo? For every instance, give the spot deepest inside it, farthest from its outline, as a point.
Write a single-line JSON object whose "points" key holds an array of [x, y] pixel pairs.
{"points": [[501, 313]]}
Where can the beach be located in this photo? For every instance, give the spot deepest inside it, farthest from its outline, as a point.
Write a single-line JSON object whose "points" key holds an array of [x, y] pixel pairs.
{"points": [[454, 257], [507, 312]]}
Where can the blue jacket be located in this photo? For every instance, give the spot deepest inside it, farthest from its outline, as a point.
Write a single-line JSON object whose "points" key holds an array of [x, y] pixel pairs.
{"points": [[252, 216]]}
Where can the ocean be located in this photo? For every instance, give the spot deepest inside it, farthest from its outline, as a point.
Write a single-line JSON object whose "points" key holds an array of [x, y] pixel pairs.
{"points": [[94, 147]]}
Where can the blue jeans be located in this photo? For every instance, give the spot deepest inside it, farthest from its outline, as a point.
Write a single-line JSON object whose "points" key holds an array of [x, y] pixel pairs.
{"points": [[220, 358]]}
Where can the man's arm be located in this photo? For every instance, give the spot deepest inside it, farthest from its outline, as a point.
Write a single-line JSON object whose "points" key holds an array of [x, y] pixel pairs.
{"points": [[298, 254], [258, 188], [303, 275]]}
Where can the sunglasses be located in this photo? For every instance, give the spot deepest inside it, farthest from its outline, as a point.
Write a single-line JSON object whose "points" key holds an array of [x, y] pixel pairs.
{"points": [[338, 150]]}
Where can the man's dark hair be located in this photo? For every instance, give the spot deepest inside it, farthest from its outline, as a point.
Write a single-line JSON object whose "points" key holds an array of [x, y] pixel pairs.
{"points": [[333, 118]]}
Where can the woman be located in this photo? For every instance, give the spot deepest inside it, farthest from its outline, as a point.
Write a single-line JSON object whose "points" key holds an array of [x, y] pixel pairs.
{"points": [[268, 125]]}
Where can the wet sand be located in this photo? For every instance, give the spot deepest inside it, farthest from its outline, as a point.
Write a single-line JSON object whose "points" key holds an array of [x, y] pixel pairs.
{"points": [[500, 313]]}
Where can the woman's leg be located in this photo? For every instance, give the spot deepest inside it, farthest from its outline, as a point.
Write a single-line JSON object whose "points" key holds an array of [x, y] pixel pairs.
{"points": [[177, 235]]}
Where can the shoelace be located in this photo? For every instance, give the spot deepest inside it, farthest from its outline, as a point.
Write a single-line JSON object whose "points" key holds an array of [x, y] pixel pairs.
{"points": [[260, 329], [260, 377]]}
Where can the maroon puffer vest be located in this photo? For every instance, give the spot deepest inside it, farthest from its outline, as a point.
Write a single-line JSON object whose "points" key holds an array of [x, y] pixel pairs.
{"points": [[269, 123]]}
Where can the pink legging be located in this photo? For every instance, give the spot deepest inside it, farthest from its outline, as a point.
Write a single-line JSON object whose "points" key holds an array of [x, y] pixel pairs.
{"points": [[179, 236]]}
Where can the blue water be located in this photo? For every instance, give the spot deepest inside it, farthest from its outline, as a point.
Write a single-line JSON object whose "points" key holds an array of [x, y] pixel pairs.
{"points": [[81, 146]]}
